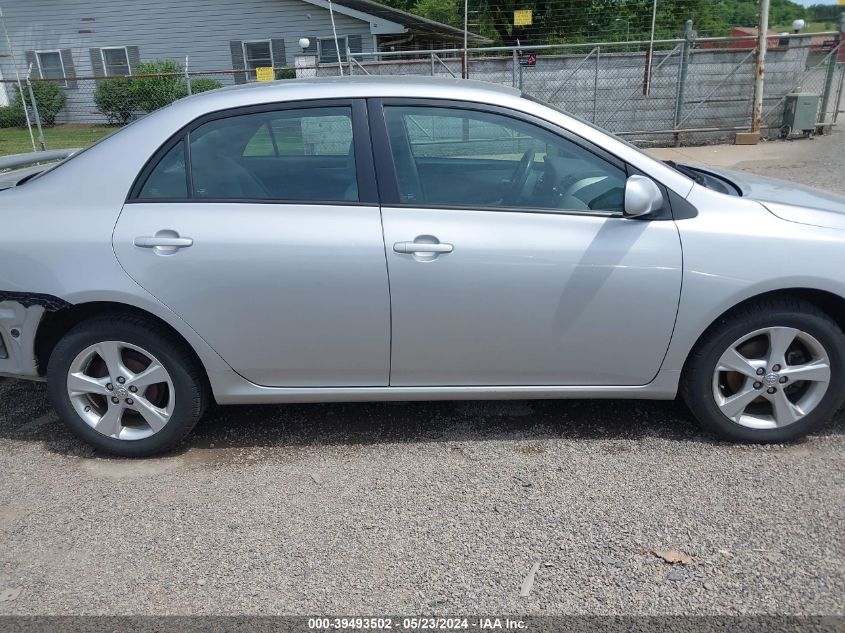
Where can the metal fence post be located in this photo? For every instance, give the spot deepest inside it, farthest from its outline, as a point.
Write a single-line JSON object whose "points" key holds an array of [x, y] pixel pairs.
{"points": [[596, 85], [35, 113], [515, 68], [432, 64], [838, 102], [828, 87], [187, 76], [828, 78], [683, 72]]}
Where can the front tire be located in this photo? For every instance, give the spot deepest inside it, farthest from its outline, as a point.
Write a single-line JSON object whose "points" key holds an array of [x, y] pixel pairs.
{"points": [[770, 372], [126, 385]]}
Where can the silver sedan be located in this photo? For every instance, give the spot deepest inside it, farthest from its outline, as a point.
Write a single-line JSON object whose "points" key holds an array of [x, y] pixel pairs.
{"points": [[410, 239]]}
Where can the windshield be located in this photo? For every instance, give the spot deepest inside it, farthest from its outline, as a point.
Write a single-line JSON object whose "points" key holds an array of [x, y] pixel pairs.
{"points": [[585, 122], [703, 178]]}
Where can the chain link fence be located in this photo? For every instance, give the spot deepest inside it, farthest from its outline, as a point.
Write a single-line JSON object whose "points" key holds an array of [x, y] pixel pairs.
{"points": [[684, 91], [672, 92]]}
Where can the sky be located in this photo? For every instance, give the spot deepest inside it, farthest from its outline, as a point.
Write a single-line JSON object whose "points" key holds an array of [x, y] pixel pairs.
{"points": [[807, 3]]}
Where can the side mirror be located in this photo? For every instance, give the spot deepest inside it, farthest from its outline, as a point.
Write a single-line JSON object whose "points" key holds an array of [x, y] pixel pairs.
{"points": [[642, 196]]}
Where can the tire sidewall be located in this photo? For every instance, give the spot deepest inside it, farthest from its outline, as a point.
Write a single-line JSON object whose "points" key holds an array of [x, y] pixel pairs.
{"points": [[186, 408], [700, 389]]}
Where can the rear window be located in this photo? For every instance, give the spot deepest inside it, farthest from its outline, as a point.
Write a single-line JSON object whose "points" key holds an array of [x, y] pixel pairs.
{"points": [[302, 154], [169, 178]]}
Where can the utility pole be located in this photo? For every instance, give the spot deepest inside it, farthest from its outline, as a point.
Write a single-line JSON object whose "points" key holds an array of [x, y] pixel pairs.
{"points": [[683, 73], [465, 69], [650, 55], [760, 66]]}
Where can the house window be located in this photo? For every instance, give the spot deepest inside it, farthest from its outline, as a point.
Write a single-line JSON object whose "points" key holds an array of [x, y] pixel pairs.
{"points": [[328, 51], [50, 66], [258, 55], [116, 61]]}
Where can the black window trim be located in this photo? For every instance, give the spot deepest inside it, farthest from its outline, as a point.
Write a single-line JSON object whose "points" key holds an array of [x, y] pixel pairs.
{"points": [[364, 167], [386, 170]]}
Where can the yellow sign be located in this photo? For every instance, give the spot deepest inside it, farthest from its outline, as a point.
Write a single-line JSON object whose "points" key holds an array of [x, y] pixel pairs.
{"points": [[265, 73], [524, 17]]}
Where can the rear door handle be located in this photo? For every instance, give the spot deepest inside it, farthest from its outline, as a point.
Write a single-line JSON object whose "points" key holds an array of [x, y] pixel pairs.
{"points": [[155, 242], [421, 247]]}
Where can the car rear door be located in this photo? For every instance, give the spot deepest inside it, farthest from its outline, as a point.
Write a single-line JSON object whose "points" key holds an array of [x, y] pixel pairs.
{"points": [[531, 276], [260, 227]]}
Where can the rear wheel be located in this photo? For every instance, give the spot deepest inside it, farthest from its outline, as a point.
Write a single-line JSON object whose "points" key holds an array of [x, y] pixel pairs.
{"points": [[128, 386], [771, 372]]}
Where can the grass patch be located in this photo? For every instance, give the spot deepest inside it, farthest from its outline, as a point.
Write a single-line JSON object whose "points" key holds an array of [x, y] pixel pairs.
{"points": [[16, 140]]}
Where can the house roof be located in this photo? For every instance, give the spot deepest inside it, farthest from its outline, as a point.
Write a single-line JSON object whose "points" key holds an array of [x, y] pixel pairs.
{"points": [[410, 21]]}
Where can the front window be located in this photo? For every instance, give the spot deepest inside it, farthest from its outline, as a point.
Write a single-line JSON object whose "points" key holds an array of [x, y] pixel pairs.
{"points": [[328, 49], [50, 66], [464, 158], [116, 62], [258, 55]]}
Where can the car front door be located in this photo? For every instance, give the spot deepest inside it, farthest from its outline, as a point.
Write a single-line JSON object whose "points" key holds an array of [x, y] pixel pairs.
{"points": [[509, 258], [261, 229]]}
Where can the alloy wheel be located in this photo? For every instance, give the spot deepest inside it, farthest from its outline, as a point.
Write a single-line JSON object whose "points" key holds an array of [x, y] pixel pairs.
{"points": [[121, 390], [771, 378]]}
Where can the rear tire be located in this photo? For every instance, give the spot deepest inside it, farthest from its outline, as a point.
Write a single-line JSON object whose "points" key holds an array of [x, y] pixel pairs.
{"points": [[742, 386], [126, 385]]}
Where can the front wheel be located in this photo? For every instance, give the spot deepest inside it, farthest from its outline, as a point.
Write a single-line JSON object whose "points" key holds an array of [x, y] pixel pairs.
{"points": [[126, 385], [771, 372]]}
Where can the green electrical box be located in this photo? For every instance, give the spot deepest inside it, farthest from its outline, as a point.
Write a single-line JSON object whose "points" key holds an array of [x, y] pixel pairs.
{"points": [[800, 113]]}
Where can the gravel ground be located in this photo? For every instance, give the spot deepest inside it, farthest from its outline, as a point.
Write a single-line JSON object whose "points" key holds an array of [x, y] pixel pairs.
{"points": [[371, 509]]}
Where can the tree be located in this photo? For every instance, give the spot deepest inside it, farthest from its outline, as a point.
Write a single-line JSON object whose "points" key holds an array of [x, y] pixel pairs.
{"points": [[572, 21], [444, 11], [825, 12]]}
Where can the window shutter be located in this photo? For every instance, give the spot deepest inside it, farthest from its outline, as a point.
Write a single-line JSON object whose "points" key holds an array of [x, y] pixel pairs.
{"points": [[67, 64], [354, 43], [278, 53], [97, 63], [32, 62], [237, 49], [133, 54]]}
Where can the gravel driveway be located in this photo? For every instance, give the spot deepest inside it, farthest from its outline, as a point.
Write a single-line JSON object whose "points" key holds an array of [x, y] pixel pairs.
{"points": [[372, 509]]}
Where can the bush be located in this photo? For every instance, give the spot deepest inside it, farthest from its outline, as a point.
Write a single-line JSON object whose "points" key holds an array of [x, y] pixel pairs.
{"points": [[49, 98], [203, 84], [116, 99], [119, 99], [286, 73], [152, 93], [12, 116]]}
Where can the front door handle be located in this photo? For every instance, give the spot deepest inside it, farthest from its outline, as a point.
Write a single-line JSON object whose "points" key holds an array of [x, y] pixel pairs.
{"points": [[421, 247], [163, 242]]}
